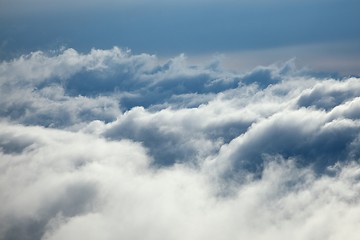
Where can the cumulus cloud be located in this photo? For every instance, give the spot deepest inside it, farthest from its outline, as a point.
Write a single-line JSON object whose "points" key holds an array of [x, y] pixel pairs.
{"points": [[109, 145], [71, 185]]}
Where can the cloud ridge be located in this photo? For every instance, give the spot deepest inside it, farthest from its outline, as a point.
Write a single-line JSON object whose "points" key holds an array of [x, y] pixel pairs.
{"points": [[103, 144]]}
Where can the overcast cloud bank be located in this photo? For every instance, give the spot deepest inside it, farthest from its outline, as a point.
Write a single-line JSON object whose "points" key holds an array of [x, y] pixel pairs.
{"points": [[109, 145]]}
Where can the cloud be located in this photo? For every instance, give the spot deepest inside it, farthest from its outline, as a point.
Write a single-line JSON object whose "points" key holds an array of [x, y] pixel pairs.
{"points": [[304, 135], [48, 180], [71, 185], [329, 94], [159, 103], [110, 144]]}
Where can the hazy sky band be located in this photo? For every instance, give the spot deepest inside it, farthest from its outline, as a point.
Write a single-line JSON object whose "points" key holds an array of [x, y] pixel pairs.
{"points": [[171, 27]]}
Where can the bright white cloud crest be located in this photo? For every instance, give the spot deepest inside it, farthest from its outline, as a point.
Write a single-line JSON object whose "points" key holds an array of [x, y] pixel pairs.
{"points": [[110, 145]]}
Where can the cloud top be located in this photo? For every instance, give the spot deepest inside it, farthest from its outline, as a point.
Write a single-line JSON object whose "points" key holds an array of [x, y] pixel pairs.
{"points": [[109, 144]]}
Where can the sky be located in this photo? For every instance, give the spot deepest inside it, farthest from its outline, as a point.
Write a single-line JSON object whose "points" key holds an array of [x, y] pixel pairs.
{"points": [[322, 34], [175, 120]]}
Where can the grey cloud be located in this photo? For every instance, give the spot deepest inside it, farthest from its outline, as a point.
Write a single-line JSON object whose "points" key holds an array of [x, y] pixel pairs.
{"points": [[139, 79], [168, 139], [329, 94], [75, 200], [265, 76], [349, 109], [14, 144], [50, 106], [303, 135]]}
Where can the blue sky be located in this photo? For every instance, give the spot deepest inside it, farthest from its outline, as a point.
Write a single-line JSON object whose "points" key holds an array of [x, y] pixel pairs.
{"points": [[322, 29], [196, 120]]}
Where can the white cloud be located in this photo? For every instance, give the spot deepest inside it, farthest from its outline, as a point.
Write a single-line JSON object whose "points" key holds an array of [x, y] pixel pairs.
{"points": [[113, 145], [70, 185]]}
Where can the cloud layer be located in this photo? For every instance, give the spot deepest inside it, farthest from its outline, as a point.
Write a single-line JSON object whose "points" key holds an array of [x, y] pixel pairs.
{"points": [[109, 145]]}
